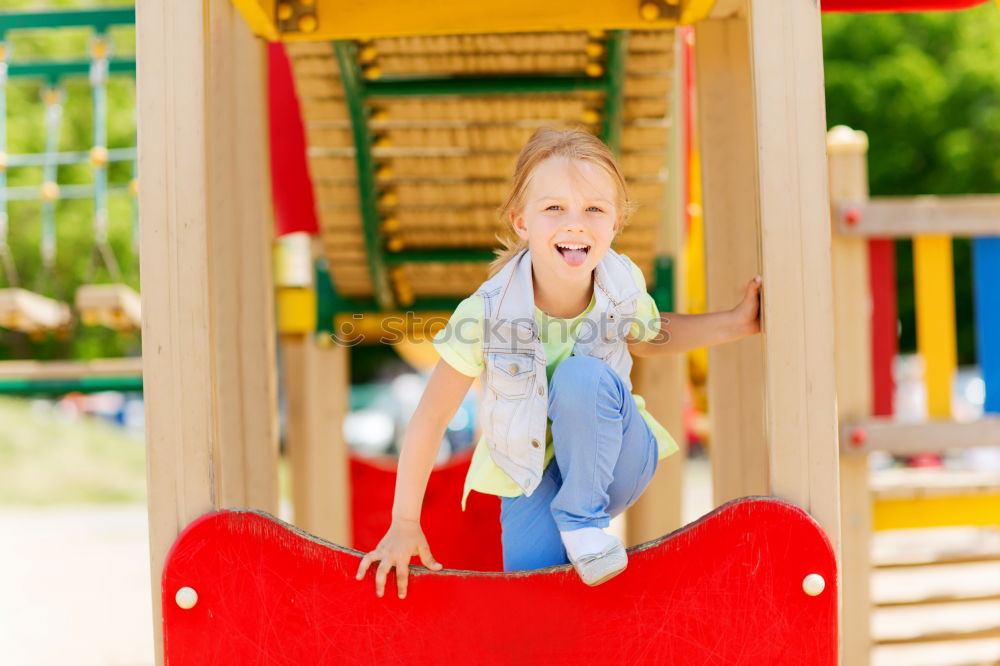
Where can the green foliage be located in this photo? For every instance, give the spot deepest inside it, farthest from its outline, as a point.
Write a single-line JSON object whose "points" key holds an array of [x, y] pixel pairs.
{"points": [[74, 217], [926, 89]]}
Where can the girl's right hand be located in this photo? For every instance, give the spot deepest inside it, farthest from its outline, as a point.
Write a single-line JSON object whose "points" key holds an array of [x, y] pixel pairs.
{"points": [[403, 540]]}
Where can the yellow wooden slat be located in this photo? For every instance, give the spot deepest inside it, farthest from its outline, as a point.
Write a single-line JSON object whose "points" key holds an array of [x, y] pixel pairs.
{"points": [[935, 305], [941, 511], [333, 19]]}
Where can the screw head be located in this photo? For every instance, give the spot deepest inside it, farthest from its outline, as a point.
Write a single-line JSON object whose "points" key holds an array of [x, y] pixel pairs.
{"points": [[813, 584], [859, 436], [186, 598], [852, 216]]}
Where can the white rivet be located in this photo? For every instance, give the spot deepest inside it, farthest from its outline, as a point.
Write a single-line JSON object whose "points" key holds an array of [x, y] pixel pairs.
{"points": [[186, 598], [813, 584]]}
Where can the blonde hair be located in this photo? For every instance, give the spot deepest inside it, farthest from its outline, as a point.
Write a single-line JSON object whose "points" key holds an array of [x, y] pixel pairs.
{"points": [[545, 143]]}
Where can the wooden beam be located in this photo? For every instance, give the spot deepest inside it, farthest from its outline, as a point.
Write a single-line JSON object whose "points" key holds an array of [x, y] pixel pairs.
{"points": [[793, 218], [334, 19], [316, 384], [27, 311], [735, 371], [903, 217], [105, 367], [208, 329], [661, 381], [848, 172], [860, 437]]}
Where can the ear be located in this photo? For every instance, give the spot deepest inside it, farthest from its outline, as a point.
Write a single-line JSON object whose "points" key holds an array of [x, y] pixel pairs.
{"points": [[518, 224]]}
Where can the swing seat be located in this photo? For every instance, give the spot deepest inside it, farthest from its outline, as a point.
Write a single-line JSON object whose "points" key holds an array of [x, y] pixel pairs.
{"points": [[116, 306], [242, 587], [23, 310]]}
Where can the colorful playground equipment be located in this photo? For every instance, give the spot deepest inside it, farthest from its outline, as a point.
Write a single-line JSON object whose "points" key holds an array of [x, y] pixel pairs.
{"points": [[115, 305], [385, 132], [867, 336], [35, 311]]}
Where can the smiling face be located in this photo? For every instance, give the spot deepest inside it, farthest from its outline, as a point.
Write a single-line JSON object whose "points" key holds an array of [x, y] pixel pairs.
{"points": [[569, 218]]}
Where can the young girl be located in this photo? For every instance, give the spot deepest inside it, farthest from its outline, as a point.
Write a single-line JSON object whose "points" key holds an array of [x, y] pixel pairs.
{"points": [[552, 332]]}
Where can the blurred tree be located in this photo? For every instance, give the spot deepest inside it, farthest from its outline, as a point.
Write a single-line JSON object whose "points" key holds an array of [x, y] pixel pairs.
{"points": [[926, 89]]}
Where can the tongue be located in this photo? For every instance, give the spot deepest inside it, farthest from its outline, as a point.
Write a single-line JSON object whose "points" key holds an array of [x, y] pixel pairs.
{"points": [[574, 257]]}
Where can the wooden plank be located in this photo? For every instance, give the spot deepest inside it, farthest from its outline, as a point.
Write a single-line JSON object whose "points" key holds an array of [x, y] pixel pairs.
{"points": [[264, 589], [936, 583], [105, 367], [926, 510], [985, 278], [903, 217], [316, 382], [208, 330], [793, 218], [27, 311], [394, 18], [910, 438], [941, 545], [735, 371], [114, 305], [938, 622], [848, 173], [934, 286], [662, 381]]}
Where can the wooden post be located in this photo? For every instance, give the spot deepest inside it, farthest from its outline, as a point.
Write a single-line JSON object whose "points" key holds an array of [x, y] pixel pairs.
{"points": [[208, 322], [851, 295], [661, 381], [316, 382], [773, 60], [793, 214], [737, 447]]}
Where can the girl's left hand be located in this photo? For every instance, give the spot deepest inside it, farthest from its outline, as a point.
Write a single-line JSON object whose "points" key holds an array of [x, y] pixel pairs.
{"points": [[747, 313]]}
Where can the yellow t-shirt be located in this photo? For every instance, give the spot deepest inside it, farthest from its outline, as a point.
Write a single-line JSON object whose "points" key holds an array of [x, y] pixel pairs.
{"points": [[460, 345]]}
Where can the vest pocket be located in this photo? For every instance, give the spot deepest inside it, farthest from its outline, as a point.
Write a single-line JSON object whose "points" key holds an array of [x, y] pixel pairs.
{"points": [[511, 374]]}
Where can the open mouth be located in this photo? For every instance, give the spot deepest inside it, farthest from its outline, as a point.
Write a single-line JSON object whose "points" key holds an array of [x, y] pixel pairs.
{"points": [[573, 254]]}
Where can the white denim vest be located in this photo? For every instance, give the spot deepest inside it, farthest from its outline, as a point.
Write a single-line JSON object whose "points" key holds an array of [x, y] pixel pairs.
{"points": [[514, 409]]}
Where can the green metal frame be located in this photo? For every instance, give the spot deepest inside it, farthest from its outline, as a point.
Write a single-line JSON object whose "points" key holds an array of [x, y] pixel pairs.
{"points": [[614, 87], [468, 85], [663, 283], [100, 19], [359, 91], [52, 70], [354, 91], [25, 387]]}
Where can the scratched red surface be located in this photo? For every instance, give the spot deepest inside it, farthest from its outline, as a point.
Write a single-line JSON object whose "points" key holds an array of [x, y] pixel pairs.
{"points": [[724, 590]]}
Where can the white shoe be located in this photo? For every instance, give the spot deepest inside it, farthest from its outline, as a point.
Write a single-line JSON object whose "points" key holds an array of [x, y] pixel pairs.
{"points": [[596, 555]]}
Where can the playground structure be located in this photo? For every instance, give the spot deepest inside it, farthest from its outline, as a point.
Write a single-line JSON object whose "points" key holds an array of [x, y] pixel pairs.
{"points": [[865, 300], [397, 129], [35, 311], [206, 272]]}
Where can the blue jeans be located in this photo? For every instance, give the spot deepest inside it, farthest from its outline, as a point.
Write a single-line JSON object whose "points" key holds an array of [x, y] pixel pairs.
{"points": [[605, 455]]}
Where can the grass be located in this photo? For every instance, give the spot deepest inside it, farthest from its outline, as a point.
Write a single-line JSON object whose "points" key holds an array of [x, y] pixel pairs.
{"points": [[46, 459]]}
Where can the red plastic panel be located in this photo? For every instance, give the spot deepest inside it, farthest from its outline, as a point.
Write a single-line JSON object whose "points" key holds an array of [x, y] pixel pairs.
{"points": [[291, 187], [726, 590], [897, 5], [884, 323], [459, 540]]}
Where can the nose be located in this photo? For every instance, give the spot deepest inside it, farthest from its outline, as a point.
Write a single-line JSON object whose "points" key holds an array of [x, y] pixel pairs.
{"points": [[574, 222]]}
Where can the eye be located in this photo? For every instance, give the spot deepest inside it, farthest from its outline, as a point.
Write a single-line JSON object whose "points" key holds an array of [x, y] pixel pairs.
{"points": [[553, 206], [596, 208]]}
